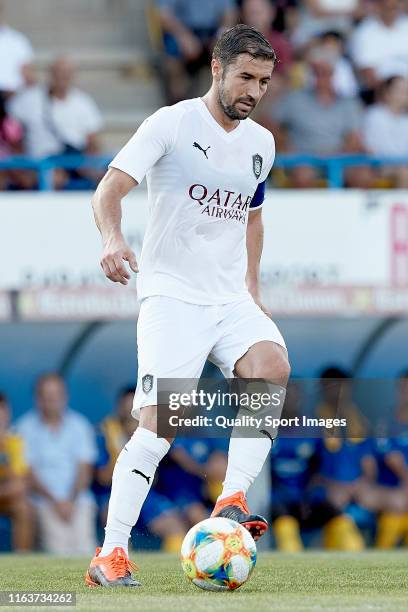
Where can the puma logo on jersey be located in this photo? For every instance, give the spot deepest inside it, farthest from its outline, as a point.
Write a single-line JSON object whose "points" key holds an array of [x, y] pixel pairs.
{"points": [[197, 146], [142, 475]]}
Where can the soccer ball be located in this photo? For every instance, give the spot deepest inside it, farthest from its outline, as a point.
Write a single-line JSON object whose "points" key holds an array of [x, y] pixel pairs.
{"points": [[218, 554]]}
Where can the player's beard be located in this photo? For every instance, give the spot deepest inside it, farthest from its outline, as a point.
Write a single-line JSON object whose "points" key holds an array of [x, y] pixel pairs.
{"points": [[230, 108]]}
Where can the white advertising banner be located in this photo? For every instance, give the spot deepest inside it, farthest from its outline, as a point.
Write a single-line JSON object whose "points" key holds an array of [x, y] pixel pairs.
{"points": [[336, 247]]}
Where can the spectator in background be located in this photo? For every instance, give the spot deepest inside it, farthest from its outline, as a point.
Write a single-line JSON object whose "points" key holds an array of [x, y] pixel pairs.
{"points": [[379, 46], [11, 140], [297, 501], [260, 14], [388, 493], [158, 515], [287, 16], [385, 127], [61, 451], [315, 120], [189, 31], [13, 482], [16, 56], [343, 452], [344, 81], [318, 16], [388, 473], [336, 401], [59, 119]]}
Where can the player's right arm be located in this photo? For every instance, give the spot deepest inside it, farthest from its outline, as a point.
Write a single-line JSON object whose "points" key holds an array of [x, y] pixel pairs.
{"points": [[154, 139], [107, 207]]}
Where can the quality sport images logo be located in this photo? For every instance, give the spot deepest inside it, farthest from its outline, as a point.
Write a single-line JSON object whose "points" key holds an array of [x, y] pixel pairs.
{"points": [[222, 203]]}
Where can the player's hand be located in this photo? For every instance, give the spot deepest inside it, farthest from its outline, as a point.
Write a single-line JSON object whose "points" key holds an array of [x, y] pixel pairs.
{"points": [[116, 251]]}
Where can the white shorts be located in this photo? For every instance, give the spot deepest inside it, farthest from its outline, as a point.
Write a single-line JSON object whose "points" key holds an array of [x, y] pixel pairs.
{"points": [[175, 338]]}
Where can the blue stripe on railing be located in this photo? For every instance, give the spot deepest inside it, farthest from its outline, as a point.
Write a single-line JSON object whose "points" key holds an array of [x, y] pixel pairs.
{"points": [[333, 166]]}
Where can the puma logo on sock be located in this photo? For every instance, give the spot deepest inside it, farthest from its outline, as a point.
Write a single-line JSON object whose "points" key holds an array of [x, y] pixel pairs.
{"points": [[142, 475]]}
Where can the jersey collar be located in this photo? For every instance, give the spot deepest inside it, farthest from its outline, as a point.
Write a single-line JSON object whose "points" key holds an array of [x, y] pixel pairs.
{"points": [[210, 120]]}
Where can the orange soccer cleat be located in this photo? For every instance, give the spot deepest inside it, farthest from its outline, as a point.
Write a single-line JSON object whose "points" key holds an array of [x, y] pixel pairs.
{"points": [[235, 507], [114, 570]]}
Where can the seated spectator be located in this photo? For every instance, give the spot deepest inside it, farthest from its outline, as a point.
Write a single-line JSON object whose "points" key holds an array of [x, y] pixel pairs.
{"points": [[298, 502], [11, 140], [343, 453], [318, 16], [342, 466], [385, 128], [198, 467], [58, 119], [11, 132], [287, 16], [388, 494], [158, 514], [316, 121], [16, 56], [189, 31], [379, 46], [61, 451], [336, 401], [344, 81], [13, 482], [260, 14], [388, 474]]}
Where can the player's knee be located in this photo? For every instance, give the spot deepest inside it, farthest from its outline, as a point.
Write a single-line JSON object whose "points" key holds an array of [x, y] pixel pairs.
{"points": [[274, 368]]}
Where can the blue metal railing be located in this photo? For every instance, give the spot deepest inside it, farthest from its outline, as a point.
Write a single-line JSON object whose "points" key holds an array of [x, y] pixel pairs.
{"points": [[333, 167]]}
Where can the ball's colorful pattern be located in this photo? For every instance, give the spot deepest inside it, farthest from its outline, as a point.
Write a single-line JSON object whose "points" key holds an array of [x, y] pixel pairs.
{"points": [[218, 554]]}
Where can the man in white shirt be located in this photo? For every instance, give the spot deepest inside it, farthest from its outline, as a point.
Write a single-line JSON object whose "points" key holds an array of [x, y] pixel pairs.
{"points": [[206, 165], [61, 451], [16, 56], [58, 118], [379, 47], [385, 128]]}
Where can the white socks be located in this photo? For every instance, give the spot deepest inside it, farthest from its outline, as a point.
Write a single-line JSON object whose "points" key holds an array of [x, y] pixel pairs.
{"points": [[246, 457], [132, 478]]}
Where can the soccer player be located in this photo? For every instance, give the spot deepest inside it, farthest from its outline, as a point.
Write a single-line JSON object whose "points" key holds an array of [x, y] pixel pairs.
{"points": [[206, 165]]}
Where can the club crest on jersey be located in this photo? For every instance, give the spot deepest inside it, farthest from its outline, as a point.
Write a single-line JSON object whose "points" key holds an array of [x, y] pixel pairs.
{"points": [[257, 165], [147, 383]]}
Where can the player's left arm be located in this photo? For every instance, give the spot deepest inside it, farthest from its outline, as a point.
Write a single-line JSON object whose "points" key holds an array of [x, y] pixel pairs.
{"points": [[254, 243], [255, 228]]}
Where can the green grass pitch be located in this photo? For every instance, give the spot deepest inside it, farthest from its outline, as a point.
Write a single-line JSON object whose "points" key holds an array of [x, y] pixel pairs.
{"points": [[291, 583]]}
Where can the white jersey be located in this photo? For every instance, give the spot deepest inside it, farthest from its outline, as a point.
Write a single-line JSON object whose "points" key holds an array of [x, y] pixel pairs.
{"points": [[201, 184]]}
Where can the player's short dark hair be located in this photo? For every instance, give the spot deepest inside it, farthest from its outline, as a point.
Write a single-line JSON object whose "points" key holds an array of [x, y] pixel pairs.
{"points": [[3, 398], [242, 39]]}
